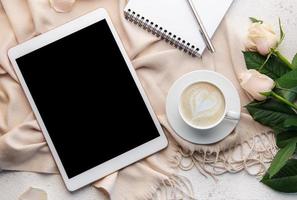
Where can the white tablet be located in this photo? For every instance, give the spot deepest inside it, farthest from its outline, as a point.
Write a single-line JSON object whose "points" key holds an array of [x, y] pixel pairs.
{"points": [[87, 99]]}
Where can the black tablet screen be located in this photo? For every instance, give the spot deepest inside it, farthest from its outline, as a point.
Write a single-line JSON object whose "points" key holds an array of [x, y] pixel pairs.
{"points": [[87, 98]]}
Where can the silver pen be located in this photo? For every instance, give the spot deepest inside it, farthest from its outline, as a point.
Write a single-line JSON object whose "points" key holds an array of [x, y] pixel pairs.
{"points": [[203, 31]]}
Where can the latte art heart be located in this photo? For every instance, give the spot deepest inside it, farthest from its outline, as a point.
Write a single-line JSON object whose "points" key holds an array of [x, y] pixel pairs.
{"points": [[202, 104]]}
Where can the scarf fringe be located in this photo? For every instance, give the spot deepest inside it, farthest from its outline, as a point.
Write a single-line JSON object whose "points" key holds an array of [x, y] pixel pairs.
{"points": [[251, 156], [175, 187], [261, 150]]}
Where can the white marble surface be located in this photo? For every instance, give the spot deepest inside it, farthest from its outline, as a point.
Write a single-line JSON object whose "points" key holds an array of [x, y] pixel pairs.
{"points": [[230, 186]]}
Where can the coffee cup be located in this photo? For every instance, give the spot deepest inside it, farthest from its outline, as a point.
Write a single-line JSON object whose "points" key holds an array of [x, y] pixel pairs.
{"points": [[203, 106]]}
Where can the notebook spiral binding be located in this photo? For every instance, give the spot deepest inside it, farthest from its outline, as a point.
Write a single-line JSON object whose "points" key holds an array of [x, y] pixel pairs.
{"points": [[162, 33]]}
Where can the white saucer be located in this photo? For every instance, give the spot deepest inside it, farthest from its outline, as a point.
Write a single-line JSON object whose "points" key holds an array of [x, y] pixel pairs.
{"points": [[185, 131]]}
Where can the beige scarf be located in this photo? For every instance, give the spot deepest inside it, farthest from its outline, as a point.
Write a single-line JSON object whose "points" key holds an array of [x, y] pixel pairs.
{"points": [[158, 65]]}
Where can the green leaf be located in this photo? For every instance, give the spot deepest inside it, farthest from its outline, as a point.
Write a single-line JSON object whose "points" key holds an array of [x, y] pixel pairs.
{"points": [[281, 158], [255, 20], [291, 123], [253, 60], [285, 180], [271, 113], [284, 138], [288, 80], [282, 58], [266, 94], [289, 94], [287, 126], [274, 68], [289, 169], [286, 86], [294, 62], [281, 32], [284, 101]]}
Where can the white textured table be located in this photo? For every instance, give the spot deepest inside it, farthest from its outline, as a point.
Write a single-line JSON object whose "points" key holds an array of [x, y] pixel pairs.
{"points": [[230, 186]]}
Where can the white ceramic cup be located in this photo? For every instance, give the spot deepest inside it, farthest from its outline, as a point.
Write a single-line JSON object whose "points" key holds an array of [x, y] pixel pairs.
{"points": [[227, 114]]}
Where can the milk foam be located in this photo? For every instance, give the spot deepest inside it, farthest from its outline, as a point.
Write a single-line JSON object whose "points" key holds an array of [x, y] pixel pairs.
{"points": [[202, 104]]}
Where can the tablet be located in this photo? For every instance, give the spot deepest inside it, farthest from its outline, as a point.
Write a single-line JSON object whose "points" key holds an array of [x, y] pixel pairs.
{"points": [[87, 99]]}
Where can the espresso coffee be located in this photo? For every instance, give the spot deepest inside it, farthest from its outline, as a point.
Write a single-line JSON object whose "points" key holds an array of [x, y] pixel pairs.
{"points": [[202, 104]]}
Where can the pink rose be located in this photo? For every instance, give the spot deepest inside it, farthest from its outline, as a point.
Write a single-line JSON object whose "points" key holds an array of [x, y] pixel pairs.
{"points": [[62, 5], [261, 38], [256, 83]]}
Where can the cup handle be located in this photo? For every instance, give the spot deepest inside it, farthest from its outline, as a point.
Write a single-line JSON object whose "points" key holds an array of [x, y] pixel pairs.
{"points": [[232, 115]]}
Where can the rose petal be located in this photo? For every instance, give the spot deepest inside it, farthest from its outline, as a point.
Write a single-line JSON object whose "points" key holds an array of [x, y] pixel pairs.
{"points": [[255, 83], [261, 38], [263, 46]]}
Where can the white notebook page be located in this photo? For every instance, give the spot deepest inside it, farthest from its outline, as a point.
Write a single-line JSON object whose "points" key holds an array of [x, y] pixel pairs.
{"points": [[177, 17]]}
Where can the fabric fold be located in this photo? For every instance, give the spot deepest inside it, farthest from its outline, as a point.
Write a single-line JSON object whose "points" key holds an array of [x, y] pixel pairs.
{"points": [[7, 40], [27, 151]]}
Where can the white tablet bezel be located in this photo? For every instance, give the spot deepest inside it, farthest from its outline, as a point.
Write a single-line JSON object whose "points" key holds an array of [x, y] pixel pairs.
{"points": [[118, 162]]}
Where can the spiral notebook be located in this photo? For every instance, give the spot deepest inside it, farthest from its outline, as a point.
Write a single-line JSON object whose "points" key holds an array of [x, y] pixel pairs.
{"points": [[174, 21]]}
